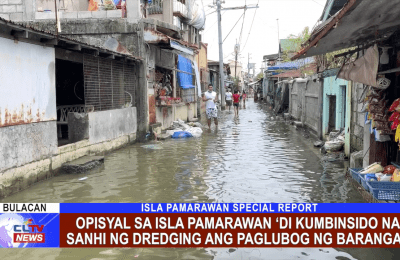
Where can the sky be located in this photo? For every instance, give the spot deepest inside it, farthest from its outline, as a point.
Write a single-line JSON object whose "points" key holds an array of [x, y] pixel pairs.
{"points": [[262, 36]]}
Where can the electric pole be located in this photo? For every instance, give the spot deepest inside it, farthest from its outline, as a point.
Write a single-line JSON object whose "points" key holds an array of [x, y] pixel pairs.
{"points": [[221, 56], [248, 66], [236, 57], [279, 42]]}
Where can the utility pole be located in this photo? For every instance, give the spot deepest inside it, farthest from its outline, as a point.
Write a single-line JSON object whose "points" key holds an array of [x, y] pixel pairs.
{"points": [[279, 42], [248, 69], [236, 57], [56, 10], [221, 56]]}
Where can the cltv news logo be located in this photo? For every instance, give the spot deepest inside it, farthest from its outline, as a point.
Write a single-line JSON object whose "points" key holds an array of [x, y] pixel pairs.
{"points": [[28, 233]]}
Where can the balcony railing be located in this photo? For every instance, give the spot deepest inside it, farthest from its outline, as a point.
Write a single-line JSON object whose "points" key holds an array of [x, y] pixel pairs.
{"points": [[180, 9], [155, 7]]}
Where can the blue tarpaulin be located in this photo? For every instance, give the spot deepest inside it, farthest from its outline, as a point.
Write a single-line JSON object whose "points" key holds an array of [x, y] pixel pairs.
{"points": [[185, 79], [292, 65], [182, 134]]}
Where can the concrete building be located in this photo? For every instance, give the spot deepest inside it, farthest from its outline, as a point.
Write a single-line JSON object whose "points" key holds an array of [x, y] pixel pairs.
{"points": [[55, 84], [236, 67], [96, 93], [159, 31]]}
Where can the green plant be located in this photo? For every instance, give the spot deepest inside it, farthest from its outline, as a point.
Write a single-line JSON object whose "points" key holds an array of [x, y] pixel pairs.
{"points": [[295, 43]]}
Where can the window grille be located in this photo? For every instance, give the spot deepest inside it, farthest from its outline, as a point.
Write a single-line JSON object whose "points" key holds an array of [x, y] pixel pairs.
{"points": [[188, 95], [109, 84]]}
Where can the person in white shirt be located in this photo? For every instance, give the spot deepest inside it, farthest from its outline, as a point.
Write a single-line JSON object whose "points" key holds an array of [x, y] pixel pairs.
{"points": [[228, 98], [210, 97]]}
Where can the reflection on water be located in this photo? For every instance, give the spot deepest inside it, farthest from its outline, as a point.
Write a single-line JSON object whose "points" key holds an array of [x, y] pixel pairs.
{"points": [[256, 158]]}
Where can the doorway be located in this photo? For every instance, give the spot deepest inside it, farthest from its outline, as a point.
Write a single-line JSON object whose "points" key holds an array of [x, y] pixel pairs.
{"points": [[332, 113], [343, 115], [70, 95]]}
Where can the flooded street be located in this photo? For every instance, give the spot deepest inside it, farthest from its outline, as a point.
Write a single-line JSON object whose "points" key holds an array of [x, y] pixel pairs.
{"points": [[256, 158]]}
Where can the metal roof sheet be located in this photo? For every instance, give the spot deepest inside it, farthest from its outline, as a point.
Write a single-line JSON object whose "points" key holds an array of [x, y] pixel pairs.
{"points": [[66, 39], [359, 22]]}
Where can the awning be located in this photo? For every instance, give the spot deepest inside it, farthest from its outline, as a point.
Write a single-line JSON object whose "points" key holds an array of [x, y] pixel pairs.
{"points": [[294, 65], [180, 47], [359, 22], [251, 84]]}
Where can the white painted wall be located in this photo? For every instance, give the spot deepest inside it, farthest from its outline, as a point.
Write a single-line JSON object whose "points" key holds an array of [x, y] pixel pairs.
{"points": [[111, 124], [27, 83]]}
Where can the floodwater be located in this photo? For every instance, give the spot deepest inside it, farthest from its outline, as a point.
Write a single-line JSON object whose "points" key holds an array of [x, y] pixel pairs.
{"points": [[257, 158]]}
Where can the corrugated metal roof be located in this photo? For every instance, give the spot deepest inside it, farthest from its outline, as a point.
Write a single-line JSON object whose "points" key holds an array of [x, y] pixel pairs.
{"points": [[49, 34], [292, 65], [359, 22]]}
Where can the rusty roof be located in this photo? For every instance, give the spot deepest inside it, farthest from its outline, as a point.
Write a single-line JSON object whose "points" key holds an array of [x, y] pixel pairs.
{"points": [[52, 35], [359, 22]]}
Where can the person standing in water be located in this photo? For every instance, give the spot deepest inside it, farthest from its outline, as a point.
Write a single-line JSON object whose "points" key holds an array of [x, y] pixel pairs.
{"points": [[210, 97], [244, 96], [236, 101], [228, 98]]}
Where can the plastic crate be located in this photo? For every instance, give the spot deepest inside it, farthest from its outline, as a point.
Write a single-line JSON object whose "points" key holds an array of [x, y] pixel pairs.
{"points": [[355, 174], [364, 182], [385, 190]]}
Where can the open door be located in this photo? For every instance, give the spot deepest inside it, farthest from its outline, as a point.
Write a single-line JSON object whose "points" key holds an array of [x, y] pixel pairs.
{"points": [[332, 113]]}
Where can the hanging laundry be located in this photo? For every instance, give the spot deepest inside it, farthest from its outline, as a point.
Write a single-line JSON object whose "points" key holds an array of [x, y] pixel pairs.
{"points": [[93, 5]]}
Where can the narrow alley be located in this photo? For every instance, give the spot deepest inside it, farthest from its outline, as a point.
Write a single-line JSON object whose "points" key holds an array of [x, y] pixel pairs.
{"points": [[256, 158]]}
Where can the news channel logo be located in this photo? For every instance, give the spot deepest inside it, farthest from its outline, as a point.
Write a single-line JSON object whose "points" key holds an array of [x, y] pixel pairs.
{"points": [[28, 230]]}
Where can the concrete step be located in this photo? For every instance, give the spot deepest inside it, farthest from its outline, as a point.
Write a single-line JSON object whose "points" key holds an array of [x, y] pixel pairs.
{"points": [[83, 164]]}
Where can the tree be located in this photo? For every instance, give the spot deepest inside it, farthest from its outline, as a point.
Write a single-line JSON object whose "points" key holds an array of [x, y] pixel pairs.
{"points": [[260, 75], [293, 44], [327, 61]]}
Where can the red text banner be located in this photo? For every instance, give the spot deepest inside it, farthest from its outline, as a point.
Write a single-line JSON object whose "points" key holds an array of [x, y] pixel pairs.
{"points": [[229, 230]]}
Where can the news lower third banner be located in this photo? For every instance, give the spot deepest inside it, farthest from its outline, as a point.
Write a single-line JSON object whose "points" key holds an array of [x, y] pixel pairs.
{"points": [[107, 225]]}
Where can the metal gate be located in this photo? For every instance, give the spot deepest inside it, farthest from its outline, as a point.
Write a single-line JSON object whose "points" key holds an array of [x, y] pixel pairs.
{"points": [[109, 84]]}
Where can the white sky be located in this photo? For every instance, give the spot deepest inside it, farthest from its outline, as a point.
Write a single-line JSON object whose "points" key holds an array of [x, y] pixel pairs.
{"points": [[293, 16]]}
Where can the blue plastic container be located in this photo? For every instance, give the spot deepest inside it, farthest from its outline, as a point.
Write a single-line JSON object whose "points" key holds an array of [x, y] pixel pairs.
{"points": [[364, 182], [355, 174], [385, 190]]}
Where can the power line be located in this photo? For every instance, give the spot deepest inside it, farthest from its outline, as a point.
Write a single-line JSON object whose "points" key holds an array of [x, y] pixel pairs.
{"points": [[317, 2], [251, 26], [215, 22], [210, 13], [233, 27], [241, 31]]}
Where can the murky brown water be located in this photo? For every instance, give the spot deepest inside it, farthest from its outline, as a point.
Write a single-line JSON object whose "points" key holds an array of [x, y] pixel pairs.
{"points": [[253, 159]]}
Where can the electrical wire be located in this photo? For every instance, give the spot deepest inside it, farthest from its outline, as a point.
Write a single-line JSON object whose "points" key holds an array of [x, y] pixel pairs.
{"points": [[316, 2], [251, 25], [233, 27], [228, 55], [211, 13], [241, 31], [215, 22]]}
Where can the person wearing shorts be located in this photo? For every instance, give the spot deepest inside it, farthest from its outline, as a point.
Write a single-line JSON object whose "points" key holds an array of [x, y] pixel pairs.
{"points": [[228, 99], [244, 95], [210, 97], [236, 101]]}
